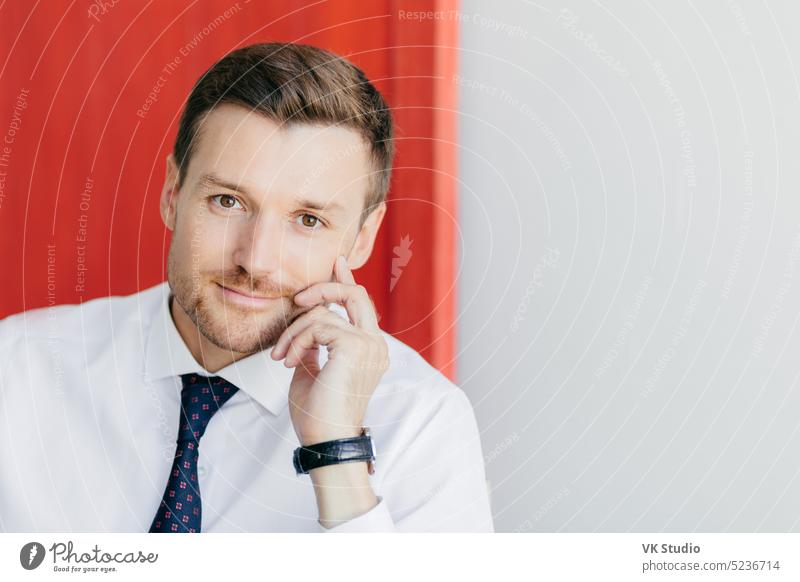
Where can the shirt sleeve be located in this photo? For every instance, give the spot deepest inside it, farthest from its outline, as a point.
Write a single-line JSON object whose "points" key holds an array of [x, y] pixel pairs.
{"points": [[435, 480], [438, 483]]}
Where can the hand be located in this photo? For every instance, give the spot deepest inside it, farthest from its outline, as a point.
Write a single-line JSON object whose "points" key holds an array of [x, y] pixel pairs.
{"points": [[330, 403]]}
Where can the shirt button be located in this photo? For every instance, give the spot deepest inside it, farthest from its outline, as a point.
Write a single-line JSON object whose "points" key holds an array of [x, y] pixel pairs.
{"points": [[201, 471]]}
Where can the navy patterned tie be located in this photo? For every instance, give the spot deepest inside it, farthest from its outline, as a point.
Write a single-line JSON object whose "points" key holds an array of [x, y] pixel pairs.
{"points": [[180, 509]]}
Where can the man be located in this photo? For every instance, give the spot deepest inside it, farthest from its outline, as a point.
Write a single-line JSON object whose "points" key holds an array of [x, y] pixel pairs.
{"points": [[254, 390]]}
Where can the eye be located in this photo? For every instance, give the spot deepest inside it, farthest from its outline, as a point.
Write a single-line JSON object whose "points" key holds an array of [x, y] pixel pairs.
{"points": [[310, 221], [226, 201]]}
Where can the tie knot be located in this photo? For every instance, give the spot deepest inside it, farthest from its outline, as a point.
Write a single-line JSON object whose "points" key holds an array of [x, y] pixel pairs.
{"points": [[201, 398]]}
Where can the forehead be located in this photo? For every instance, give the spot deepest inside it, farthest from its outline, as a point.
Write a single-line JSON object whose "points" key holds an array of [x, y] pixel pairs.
{"points": [[266, 157]]}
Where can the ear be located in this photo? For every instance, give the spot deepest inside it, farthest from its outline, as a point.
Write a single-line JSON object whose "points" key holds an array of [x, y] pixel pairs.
{"points": [[362, 247], [169, 194]]}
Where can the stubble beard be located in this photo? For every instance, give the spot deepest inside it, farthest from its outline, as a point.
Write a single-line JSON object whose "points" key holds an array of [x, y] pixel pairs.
{"points": [[228, 326]]}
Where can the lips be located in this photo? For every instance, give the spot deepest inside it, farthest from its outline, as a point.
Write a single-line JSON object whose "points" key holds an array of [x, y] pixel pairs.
{"points": [[244, 299], [246, 294]]}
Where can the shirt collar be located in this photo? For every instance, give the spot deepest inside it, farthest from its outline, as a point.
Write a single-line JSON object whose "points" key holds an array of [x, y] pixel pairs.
{"points": [[261, 377]]}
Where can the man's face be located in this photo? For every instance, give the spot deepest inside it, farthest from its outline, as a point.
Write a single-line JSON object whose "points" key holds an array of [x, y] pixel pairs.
{"points": [[264, 210]]}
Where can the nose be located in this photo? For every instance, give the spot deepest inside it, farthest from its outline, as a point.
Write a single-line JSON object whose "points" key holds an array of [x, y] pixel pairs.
{"points": [[258, 247]]}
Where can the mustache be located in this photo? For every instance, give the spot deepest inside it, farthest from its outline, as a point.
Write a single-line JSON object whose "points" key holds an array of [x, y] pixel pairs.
{"points": [[242, 281]]}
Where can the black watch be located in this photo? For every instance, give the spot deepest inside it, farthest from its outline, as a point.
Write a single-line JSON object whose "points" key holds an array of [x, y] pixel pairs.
{"points": [[349, 450]]}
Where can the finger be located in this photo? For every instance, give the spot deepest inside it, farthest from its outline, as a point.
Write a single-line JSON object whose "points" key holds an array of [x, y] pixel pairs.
{"points": [[343, 272], [309, 362], [344, 275], [303, 321], [294, 351], [355, 299], [319, 333]]}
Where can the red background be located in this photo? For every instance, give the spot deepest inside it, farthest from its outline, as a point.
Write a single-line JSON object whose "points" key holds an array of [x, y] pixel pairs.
{"points": [[86, 77]]}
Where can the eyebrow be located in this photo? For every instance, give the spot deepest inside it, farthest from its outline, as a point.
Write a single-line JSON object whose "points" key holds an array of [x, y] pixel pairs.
{"points": [[215, 180]]}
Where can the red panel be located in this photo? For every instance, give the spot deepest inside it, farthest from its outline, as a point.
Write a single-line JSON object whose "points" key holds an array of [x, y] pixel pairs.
{"points": [[82, 161]]}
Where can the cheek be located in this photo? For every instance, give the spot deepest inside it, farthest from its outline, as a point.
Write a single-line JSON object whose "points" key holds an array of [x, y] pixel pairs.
{"points": [[309, 259], [199, 245]]}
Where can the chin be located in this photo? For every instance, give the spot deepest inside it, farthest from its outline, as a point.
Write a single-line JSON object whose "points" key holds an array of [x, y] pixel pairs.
{"points": [[235, 334], [240, 329]]}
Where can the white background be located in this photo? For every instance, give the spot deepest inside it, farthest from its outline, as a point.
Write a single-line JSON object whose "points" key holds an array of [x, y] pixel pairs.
{"points": [[630, 262]]}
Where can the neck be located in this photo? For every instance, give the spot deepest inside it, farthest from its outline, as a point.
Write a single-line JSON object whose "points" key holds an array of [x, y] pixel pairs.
{"points": [[210, 356]]}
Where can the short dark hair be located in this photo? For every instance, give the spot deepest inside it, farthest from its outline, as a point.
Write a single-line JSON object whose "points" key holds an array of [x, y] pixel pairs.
{"points": [[294, 83]]}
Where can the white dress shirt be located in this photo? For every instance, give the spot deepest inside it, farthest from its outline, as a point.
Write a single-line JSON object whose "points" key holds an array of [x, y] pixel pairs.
{"points": [[89, 408]]}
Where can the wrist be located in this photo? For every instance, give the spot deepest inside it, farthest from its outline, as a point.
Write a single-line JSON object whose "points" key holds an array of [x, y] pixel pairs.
{"points": [[350, 474], [343, 492], [317, 438]]}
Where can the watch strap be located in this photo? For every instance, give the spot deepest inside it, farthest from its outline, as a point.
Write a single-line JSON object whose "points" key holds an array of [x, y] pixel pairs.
{"points": [[346, 450]]}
